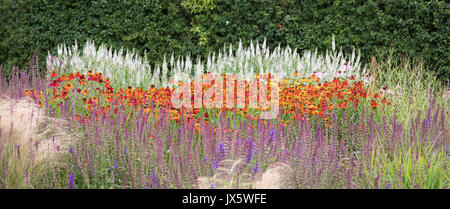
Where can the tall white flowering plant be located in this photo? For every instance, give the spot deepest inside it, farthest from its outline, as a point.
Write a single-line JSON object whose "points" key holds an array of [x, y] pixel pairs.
{"points": [[130, 69]]}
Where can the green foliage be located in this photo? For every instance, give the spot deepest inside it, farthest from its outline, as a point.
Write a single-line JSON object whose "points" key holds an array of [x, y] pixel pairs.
{"points": [[422, 167], [197, 6], [414, 27]]}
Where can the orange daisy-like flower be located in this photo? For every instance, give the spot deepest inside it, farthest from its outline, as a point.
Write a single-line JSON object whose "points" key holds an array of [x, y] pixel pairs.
{"points": [[84, 92], [28, 92], [64, 94], [374, 104], [82, 81], [69, 86]]}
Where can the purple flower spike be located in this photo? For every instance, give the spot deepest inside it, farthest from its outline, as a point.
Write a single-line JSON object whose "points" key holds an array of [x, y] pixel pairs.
{"points": [[154, 179], [71, 180], [222, 151], [272, 135], [387, 186], [375, 181], [255, 170], [215, 164], [251, 149]]}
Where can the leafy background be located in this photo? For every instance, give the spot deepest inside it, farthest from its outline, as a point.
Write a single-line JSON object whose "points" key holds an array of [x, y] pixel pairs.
{"points": [[407, 27]]}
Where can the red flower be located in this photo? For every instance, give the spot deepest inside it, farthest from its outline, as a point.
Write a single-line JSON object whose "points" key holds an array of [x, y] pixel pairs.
{"points": [[54, 84], [374, 104]]}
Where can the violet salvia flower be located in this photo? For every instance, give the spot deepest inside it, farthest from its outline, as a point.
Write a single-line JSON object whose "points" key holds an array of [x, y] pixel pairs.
{"points": [[215, 163], [272, 135], [116, 165], [154, 179], [375, 181], [222, 151], [115, 170], [255, 170], [71, 180], [251, 149], [387, 186], [18, 151]]}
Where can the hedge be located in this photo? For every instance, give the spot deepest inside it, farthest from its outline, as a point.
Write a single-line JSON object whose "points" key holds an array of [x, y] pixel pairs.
{"points": [[408, 27]]}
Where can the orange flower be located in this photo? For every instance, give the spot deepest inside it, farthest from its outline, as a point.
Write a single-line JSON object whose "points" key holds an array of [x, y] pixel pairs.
{"points": [[82, 81], [28, 92], [374, 104], [64, 94], [84, 92], [69, 86]]}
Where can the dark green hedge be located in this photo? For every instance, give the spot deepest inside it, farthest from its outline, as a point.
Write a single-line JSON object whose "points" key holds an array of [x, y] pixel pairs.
{"points": [[410, 27]]}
